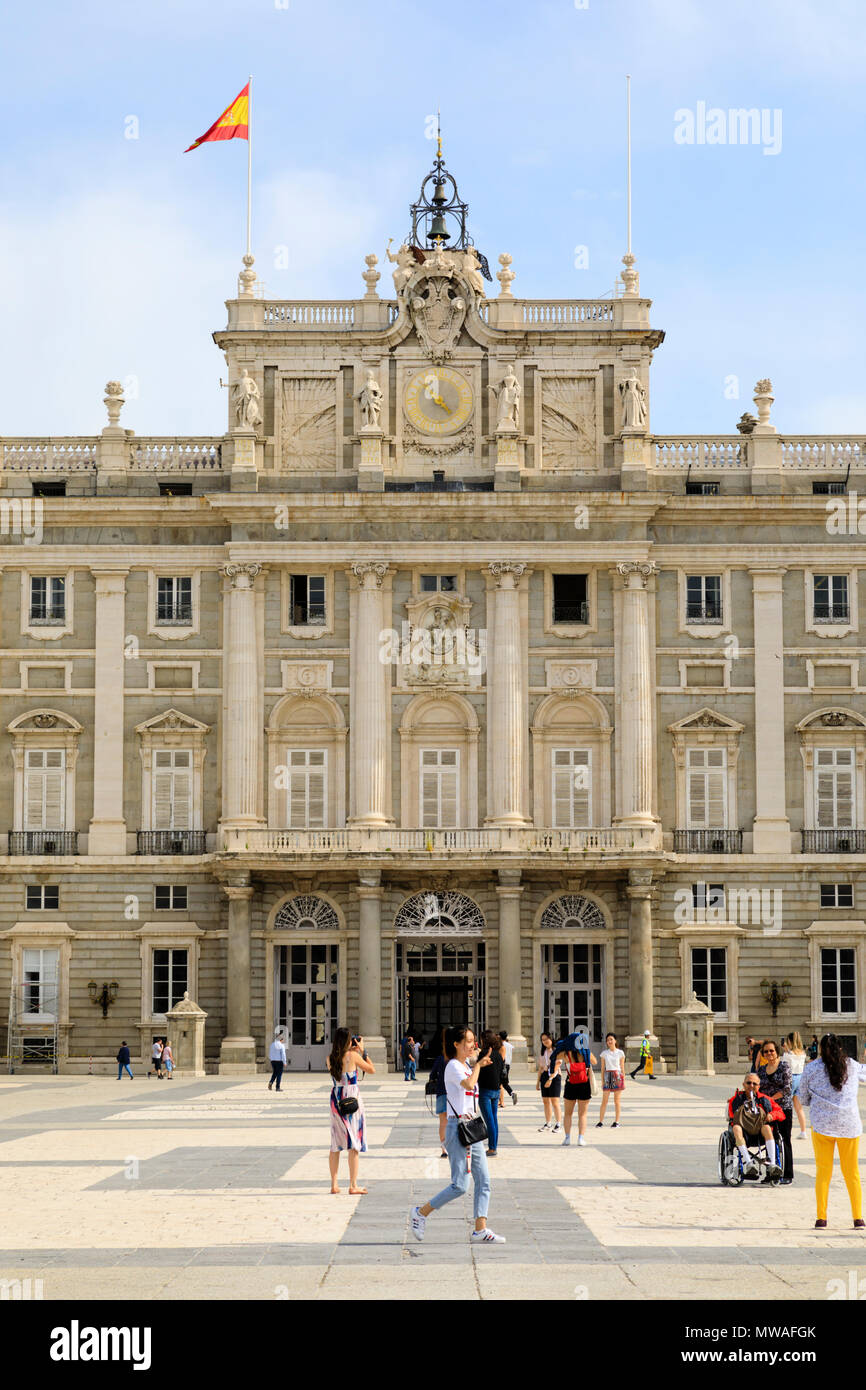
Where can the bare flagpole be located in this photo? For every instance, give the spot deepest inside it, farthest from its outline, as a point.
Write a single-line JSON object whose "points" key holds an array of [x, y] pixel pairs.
{"points": [[628, 155], [249, 166]]}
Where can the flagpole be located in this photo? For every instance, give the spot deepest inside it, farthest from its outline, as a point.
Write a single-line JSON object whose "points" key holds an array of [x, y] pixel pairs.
{"points": [[249, 166]]}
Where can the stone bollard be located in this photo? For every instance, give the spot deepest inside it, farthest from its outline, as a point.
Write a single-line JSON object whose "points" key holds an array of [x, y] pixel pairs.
{"points": [[694, 1039]]}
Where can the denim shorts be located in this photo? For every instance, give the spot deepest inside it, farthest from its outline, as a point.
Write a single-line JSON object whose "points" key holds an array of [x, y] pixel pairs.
{"points": [[441, 1105]]}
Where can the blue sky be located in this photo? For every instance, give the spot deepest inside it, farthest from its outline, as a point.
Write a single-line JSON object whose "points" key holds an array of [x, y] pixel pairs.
{"points": [[118, 253]]}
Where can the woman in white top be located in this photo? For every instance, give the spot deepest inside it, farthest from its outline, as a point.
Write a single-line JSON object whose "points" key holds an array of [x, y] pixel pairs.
{"points": [[795, 1056], [549, 1086], [612, 1078], [461, 1089], [829, 1088]]}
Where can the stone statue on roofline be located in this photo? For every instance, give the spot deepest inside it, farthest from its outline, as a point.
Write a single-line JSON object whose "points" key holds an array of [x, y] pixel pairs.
{"points": [[634, 402], [370, 396], [246, 402]]}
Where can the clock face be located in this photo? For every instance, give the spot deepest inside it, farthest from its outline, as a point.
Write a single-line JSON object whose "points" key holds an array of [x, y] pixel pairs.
{"points": [[438, 400]]}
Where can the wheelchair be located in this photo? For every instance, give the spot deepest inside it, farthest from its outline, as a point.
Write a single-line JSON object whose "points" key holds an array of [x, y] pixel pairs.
{"points": [[731, 1164]]}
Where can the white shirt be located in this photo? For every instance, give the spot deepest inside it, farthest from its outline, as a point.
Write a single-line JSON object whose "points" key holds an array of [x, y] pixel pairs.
{"points": [[834, 1113], [796, 1061], [460, 1101], [156, 1050], [509, 1052], [612, 1059], [278, 1051]]}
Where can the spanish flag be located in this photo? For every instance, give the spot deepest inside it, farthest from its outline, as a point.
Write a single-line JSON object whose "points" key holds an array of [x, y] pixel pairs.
{"points": [[233, 124]]}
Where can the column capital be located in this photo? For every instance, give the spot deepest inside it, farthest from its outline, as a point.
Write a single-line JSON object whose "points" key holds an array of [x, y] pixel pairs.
{"points": [[640, 883], [635, 573], [370, 574], [241, 574], [509, 880], [507, 569]]}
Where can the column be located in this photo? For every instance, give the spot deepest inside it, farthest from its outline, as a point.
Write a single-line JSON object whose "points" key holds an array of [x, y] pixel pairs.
{"points": [[241, 735], [506, 702], [509, 892], [371, 696], [640, 958], [238, 1048], [634, 734], [772, 829], [370, 965], [108, 827]]}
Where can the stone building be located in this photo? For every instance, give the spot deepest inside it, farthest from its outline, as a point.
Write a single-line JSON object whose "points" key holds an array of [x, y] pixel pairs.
{"points": [[438, 687]]}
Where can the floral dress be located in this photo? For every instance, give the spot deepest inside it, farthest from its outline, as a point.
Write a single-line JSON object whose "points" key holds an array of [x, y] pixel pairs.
{"points": [[347, 1131]]}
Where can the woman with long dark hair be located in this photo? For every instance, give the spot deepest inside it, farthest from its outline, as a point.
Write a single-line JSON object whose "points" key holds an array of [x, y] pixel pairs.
{"points": [[347, 1109], [829, 1088], [490, 1089], [774, 1074], [549, 1086], [436, 1079], [461, 1087]]}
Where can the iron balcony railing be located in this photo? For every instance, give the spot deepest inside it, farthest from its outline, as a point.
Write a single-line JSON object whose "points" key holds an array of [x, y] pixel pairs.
{"points": [[834, 841], [708, 841], [835, 613], [571, 612], [175, 613], [171, 841], [43, 841], [696, 613]]}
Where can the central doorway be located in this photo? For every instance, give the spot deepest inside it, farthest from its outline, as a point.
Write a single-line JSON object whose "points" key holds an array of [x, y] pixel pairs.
{"points": [[437, 984], [434, 1005]]}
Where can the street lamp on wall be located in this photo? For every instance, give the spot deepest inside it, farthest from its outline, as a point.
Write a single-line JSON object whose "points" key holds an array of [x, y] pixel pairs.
{"points": [[105, 996], [775, 993]]}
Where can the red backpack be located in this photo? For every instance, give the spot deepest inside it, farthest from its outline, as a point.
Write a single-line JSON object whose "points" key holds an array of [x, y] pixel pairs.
{"points": [[577, 1073]]}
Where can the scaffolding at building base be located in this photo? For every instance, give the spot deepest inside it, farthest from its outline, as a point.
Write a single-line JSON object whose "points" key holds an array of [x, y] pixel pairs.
{"points": [[32, 1034]]}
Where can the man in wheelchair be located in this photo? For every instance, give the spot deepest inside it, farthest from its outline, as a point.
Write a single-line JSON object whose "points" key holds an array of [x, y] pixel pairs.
{"points": [[751, 1116]]}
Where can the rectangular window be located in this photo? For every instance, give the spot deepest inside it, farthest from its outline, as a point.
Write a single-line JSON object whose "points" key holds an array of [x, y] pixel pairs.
{"points": [[44, 789], [834, 788], [172, 789], [706, 790], [439, 780], [170, 897], [709, 895], [830, 598], [47, 599], [710, 977], [837, 895], [174, 599], [570, 599], [42, 897], [307, 782], [703, 598], [307, 600], [39, 976], [170, 978], [572, 787], [438, 583], [838, 981], [702, 489]]}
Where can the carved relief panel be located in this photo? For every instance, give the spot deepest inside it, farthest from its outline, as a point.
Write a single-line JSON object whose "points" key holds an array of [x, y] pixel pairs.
{"points": [[568, 412], [307, 423]]}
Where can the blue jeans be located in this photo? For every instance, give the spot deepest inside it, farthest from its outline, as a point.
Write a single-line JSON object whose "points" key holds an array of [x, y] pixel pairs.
{"points": [[121, 1066], [409, 1070], [488, 1102], [459, 1183]]}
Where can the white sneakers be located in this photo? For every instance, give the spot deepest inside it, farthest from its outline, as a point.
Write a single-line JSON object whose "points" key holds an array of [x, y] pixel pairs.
{"points": [[418, 1223], [486, 1237], [581, 1141]]}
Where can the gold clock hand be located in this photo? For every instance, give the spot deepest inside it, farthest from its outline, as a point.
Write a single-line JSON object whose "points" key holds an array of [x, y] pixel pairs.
{"points": [[437, 400]]}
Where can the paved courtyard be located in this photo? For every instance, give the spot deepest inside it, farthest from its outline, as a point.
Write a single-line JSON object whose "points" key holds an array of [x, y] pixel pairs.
{"points": [[216, 1189]]}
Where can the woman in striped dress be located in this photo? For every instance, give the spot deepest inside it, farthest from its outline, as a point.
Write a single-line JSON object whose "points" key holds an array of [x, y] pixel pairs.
{"points": [[347, 1131]]}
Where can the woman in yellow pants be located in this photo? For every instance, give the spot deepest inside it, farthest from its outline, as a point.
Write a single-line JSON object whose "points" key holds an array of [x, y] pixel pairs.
{"points": [[829, 1088]]}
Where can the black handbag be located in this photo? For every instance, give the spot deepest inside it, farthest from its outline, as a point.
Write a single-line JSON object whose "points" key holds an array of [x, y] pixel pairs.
{"points": [[348, 1106], [471, 1130]]}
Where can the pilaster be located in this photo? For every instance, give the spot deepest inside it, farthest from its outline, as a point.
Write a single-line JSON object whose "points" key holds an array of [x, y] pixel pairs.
{"points": [[107, 834]]}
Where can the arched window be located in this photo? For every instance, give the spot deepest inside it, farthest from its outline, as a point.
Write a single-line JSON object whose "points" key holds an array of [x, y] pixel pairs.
{"points": [[439, 763], [569, 912], [306, 764], [439, 914], [571, 759], [306, 913]]}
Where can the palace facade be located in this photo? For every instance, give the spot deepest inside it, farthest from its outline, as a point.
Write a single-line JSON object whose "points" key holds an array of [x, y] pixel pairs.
{"points": [[437, 688]]}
